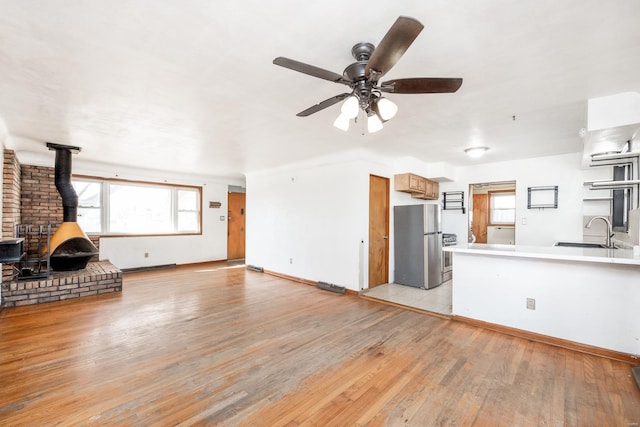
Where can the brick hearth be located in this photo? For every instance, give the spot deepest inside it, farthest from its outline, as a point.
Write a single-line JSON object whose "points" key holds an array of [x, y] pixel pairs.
{"points": [[98, 278]]}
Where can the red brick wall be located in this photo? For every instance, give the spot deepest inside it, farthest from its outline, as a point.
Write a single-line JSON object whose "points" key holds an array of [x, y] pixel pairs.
{"points": [[41, 203], [30, 197], [10, 194], [98, 278]]}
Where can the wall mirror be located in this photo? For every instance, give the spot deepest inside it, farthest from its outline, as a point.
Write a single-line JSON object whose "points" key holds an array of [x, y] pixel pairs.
{"points": [[492, 213]]}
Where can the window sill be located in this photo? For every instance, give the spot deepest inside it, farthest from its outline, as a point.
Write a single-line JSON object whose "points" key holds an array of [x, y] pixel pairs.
{"points": [[144, 235]]}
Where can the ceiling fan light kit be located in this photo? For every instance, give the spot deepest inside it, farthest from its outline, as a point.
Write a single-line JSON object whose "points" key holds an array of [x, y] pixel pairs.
{"points": [[363, 77], [342, 122], [374, 124], [476, 152], [350, 107], [386, 108]]}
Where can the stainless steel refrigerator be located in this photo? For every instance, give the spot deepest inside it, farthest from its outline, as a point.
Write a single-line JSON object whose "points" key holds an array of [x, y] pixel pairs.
{"points": [[417, 245]]}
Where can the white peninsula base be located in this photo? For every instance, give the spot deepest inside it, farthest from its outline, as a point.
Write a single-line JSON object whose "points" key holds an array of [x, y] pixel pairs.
{"points": [[590, 300]]}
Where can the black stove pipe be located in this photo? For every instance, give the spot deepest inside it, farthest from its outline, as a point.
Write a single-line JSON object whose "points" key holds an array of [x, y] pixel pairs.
{"points": [[64, 186], [70, 249]]}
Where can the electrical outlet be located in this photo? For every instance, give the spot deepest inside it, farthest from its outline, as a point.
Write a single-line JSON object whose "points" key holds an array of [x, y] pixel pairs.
{"points": [[531, 304], [290, 260], [146, 254]]}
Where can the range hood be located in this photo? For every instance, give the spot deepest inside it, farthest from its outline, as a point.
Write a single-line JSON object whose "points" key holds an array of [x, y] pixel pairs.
{"points": [[612, 122], [613, 140]]}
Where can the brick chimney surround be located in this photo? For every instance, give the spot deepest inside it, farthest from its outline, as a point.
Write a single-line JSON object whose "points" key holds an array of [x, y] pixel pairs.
{"points": [[29, 196]]}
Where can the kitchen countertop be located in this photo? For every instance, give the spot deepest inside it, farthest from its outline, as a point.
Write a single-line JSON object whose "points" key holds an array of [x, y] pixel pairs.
{"points": [[599, 255]]}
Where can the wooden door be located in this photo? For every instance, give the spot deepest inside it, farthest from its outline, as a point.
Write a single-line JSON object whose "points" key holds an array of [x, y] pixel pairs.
{"points": [[480, 217], [378, 230], [235, 226]]}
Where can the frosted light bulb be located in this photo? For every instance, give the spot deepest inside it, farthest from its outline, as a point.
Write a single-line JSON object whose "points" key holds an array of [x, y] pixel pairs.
{"points": [[342, 122], [373, 123], [387, 108], [350, 107]]}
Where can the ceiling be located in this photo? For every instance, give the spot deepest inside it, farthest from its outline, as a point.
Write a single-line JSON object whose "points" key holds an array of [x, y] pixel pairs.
{"points": [[190, 86]]}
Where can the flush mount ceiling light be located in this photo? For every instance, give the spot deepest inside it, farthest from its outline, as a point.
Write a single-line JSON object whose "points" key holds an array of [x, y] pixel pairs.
{"points": [[476, 152], [363, 78]]}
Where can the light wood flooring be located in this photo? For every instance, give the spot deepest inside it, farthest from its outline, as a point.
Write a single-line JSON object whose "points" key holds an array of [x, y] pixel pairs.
{"points": [[219, 345]]}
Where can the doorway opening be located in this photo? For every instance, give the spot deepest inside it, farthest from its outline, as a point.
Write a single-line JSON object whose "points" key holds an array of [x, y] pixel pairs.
{"points": [[492, 212]]}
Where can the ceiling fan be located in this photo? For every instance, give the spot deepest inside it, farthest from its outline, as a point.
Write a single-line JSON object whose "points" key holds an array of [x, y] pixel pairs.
{"points": [[363, 77]]}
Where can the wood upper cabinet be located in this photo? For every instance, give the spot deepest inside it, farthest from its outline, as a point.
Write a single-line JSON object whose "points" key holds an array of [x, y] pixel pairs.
{"points": [[433, 189], [418, 186], [409, 183]]}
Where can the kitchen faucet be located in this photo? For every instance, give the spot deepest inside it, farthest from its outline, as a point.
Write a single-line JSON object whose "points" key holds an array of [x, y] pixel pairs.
{"points": [[609, 229]]}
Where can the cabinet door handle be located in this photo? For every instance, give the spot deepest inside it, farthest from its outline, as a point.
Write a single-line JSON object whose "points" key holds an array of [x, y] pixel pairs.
{"points": [[385, 237]]}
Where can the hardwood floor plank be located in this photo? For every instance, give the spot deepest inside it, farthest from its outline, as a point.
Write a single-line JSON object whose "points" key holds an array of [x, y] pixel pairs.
{"points": [[219, 345]]}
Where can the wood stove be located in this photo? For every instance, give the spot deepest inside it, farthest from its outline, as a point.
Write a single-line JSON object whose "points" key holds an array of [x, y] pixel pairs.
{"points": [[70, 249]]}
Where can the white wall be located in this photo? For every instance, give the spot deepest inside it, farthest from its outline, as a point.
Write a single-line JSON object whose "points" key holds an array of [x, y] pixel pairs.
{"points": [[543, 226], [312, 221], [128, 252], [211, 245], [317, 214]]}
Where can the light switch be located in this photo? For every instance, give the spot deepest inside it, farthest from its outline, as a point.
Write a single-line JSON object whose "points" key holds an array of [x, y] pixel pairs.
{"points": [[531, 304], [524, 220], [221, 217]]}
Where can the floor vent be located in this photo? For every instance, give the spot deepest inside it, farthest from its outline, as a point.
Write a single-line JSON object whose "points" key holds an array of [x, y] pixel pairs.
{"points": [[331, 287], [255, 268]]}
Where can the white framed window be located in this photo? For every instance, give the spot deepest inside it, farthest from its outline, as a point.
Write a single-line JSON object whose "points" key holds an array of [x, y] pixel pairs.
{"points": [[502, 207], [117, 207], [89, 205], [188, 210]]}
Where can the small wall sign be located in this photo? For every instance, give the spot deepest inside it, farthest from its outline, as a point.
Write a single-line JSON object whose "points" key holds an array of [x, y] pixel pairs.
{"points": [[215, 205]]}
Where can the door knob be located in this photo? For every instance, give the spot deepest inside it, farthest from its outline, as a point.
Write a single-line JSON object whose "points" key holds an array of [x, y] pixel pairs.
{"points": [[385, 237]]}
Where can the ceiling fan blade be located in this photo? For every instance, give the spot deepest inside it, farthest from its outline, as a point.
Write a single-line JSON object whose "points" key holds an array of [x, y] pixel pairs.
{"points": [[310, 70], [422, 85], [322, 105], [393, 45]]}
